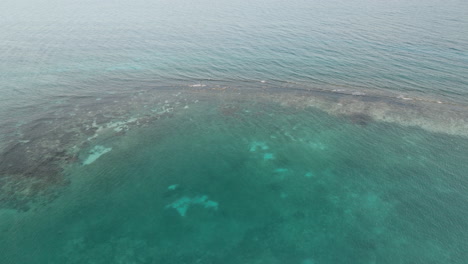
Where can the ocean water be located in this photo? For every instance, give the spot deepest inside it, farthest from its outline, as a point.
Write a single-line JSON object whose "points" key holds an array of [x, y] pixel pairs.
{"points": [[234, 131]]}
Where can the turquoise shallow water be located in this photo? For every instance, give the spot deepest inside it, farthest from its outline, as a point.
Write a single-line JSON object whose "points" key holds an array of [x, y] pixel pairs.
{"points": [[293, 187], [233, 132], [254, 182]]}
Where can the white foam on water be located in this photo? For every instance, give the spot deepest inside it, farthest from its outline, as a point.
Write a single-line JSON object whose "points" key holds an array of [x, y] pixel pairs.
{"points": [[117, 126], [183, 204], [121, 125], [95, 153]]}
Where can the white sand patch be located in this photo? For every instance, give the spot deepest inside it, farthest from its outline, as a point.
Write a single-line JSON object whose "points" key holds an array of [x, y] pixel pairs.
{"points": [[95, 153]]}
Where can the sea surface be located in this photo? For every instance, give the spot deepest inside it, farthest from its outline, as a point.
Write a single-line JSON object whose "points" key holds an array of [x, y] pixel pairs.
{"points": [[243, 132]]}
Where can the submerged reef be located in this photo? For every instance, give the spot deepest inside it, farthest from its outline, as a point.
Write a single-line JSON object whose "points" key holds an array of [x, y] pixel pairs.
{"points": [[36, 152], [184, 203], [289, 176]]}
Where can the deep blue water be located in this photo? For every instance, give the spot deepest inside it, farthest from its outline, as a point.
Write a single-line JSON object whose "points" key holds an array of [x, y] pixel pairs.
{"points": [[49, 48], [233, 131]]}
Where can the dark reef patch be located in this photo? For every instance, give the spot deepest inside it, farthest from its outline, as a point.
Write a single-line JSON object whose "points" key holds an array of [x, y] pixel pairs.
{"points": [[32, 170], [359, 119], [33, 160]]}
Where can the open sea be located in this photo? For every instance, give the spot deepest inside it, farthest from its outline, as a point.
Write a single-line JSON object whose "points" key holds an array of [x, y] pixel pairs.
{"points": [[233, 132]]}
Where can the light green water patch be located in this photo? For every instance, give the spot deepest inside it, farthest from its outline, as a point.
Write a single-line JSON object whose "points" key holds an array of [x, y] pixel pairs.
{"points": [[172, 187], [268, 156], [196, 188], [182, 204], [254, 146]]}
